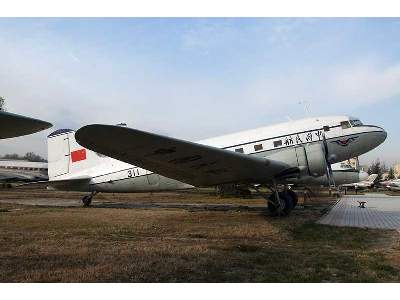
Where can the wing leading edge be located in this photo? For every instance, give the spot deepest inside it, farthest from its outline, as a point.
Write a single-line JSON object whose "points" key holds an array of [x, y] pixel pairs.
{"points": [[189, 162]]}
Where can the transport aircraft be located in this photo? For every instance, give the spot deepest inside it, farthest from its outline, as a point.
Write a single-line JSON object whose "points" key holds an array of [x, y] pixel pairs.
{"points": [[113, 158], [12, 125]]}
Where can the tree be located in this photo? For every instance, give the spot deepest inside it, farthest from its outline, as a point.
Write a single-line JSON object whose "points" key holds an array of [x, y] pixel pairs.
{"points": [[377, 168], [2, 104], [29, 156], [391, 174], [13, 156]]}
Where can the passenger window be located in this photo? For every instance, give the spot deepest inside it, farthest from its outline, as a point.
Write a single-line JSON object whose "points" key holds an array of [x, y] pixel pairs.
{"points": [[258, 147], [345, 124], [277, 143], [326, 128], [239, 150]]}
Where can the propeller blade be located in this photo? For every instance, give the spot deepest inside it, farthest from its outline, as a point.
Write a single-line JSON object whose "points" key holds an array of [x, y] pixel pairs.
{"points": [[329, 172]]}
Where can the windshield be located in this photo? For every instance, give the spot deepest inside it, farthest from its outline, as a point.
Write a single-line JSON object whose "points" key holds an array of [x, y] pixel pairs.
{"points": [[356, 123]]}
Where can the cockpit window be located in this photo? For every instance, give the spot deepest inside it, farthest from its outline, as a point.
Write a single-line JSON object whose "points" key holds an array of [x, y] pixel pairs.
{"points": [[356, 123], [345, 124]]}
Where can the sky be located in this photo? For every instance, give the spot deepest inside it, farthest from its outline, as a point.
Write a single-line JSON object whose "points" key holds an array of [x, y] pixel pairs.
{"points": [[202, 77]]}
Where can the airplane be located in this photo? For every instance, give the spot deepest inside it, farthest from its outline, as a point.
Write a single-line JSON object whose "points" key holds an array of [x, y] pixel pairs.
{"points": [[391, 185], [115, 158], [22, 171], [12, 125], [366, 184]]}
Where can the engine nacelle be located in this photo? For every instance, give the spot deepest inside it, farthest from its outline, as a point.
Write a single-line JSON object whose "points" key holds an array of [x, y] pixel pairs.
{"points": [[309, 158]]}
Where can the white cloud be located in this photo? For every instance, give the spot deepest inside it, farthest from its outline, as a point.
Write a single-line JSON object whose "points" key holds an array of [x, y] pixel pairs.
{"points": [[366, 83], [347, 86], [73, 84]]}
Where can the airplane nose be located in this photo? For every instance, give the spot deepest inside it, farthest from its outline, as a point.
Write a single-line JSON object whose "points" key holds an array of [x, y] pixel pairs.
{"points": [[362, 176], [380, 135], [384, 135]]}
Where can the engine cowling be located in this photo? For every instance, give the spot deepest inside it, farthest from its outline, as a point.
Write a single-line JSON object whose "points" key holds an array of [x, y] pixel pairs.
{"points": [[309, 158]]}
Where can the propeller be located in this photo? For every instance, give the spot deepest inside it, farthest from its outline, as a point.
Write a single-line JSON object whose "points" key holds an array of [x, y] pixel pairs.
{"points": [[329, 172]]}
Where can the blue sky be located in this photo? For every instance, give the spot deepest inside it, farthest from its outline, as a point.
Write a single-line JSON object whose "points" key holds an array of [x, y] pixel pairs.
{"points": [[197, 78]]}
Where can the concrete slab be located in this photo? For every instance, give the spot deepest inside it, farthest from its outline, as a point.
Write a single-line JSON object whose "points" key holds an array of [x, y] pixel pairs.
{"points": [[381, 211]]}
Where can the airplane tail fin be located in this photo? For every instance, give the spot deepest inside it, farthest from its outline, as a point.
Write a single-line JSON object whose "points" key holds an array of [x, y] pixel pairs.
{"points": [[371, 178], [68, 159]]}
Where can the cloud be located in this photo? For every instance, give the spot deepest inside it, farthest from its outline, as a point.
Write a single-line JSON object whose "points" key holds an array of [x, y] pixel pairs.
{"points": [[205, 36], [72, 83], [366, 83], [347, 86], [74, 58]]}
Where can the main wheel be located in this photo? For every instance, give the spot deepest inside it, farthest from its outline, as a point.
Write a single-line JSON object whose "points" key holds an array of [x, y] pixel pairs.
{"points": [[286, 205], [87, 200]]}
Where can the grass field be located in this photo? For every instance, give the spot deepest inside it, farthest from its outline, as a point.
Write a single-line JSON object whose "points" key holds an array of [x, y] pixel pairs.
{"points": [[55, 244]]}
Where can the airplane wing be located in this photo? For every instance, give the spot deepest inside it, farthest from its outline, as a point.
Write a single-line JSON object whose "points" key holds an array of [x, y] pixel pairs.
{"points": [[12, 125], [188, 162]]}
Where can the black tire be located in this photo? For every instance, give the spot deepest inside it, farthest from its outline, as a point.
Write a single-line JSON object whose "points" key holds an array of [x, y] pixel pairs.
{"points": [[288, 204], [87, 200], [294, 197]]}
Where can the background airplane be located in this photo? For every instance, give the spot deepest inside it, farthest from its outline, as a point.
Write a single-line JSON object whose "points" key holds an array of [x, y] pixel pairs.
{"points": [[12, 125], [366, 184], [22, 171], [391, 185], [129, 160]]}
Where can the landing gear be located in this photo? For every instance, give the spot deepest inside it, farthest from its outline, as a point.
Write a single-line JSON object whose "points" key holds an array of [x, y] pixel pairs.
{"points": [[294, 197], [280, 203], [283, 205], [87, 200]]}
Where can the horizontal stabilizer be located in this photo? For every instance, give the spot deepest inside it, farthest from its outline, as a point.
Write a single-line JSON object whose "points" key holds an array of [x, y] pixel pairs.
{"points": [[60, 184]]}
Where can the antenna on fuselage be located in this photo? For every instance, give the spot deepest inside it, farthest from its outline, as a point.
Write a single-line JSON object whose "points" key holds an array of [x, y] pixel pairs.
{"points": [[306, 107], [289, 118]]}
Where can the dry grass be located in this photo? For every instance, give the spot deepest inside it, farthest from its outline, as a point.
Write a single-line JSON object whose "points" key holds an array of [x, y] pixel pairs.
{"points": [[50, 244]]}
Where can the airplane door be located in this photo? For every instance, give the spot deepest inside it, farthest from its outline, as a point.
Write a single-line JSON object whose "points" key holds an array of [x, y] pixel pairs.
{"points": [[59, 156]]}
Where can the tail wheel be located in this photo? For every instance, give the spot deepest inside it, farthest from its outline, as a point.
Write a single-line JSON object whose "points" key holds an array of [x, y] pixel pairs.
{"points": [[285, 205]]}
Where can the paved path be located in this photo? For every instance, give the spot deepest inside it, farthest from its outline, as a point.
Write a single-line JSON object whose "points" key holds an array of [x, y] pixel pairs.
{"points": [[381, 211]]}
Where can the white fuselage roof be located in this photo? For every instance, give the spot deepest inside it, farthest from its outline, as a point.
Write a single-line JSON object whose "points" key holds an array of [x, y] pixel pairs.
{"points": [[280, 129]]}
